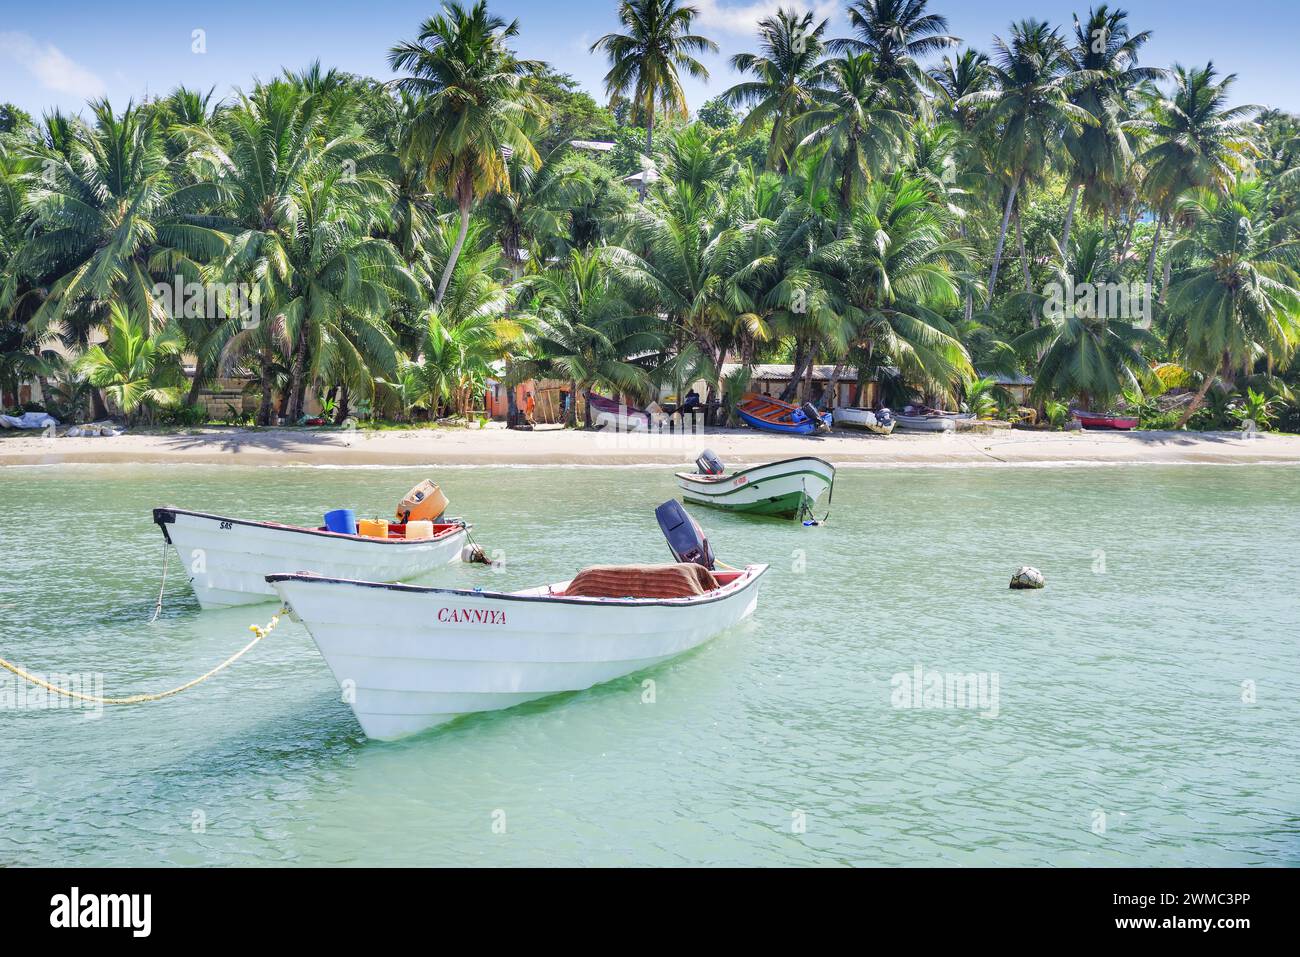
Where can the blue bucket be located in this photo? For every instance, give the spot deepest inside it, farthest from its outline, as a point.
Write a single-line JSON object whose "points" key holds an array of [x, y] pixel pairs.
{"points": [[341, 520]]}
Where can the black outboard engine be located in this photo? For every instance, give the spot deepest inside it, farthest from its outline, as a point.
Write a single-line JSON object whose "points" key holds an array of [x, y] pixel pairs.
{"points": [[814, 416], [709, 464], [685, 540], [884, 417]]}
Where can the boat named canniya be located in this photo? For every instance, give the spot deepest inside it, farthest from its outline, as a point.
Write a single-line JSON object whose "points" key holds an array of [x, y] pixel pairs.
{"points": [[229, 558], [412, 658], [787, 489]]}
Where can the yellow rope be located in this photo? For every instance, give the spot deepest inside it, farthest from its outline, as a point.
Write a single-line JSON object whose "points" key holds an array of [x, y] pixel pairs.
{"points": [[258, 631]]}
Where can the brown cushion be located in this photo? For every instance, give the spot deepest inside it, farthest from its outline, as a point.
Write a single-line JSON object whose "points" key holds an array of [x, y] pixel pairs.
{"points": [[684, 580]]}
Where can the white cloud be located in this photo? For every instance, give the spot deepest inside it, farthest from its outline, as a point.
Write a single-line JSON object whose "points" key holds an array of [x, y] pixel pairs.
{"points": [[52, 68], [744, 17]]}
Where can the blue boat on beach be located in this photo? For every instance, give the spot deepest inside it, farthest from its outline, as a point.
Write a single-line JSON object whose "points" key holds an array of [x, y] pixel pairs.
{"points": [[773, 415]]}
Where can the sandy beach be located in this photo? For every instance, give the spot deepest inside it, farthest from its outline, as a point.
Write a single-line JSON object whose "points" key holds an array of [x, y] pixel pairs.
{"points": [[555, 446]]}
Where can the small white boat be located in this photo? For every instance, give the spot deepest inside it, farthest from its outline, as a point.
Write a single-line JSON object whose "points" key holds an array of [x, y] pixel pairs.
{"points": [[881, 423], [410, 658], [228, 559], [931, 420], [787, 489]]}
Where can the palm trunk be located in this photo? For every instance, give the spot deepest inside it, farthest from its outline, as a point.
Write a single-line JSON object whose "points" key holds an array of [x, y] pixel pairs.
{"points": [[835, 386], [1165, 277], [455, 254], [341, 410], [296, 384], [512, 407], [808, 377], [1155, 248], [98, 407], [195, 388], [1002, 239], [1024, 258], [264, 412], [1069, 224], [796, 374], [969, 294], [571, 418], [1196, 402]]}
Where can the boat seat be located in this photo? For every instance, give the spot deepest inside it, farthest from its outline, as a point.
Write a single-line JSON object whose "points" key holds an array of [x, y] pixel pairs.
{"points": [[683, 580]]}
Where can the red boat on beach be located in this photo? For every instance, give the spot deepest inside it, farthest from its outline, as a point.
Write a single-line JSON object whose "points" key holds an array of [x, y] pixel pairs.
{"points": [[1100, 420]]}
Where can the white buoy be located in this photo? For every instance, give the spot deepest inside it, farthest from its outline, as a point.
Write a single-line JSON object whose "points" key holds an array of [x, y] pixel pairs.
{"points": [[1027, 576]]}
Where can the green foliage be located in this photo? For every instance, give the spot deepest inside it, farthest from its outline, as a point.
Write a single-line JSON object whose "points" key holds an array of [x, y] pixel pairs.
{"points": [[837, 204]]}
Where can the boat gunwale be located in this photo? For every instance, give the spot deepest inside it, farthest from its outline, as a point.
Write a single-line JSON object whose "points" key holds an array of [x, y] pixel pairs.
{"points": [[161, 513], [709, 482], [752, 574]]}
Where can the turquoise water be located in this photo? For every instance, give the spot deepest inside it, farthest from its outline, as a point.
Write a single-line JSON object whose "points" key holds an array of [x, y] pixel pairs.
{"points": [[1118, 734]]}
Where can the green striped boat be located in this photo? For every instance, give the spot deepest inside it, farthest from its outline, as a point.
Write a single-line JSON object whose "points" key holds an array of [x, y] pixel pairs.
{"points": [[787, 489]]}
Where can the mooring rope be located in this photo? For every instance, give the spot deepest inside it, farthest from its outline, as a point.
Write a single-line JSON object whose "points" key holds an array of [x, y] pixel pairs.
{"points": [[157, 609], [259, 632]]}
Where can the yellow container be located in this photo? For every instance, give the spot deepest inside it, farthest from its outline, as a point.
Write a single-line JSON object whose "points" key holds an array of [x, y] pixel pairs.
{"points": [[419, 529], [425, 501], [372, 528]]}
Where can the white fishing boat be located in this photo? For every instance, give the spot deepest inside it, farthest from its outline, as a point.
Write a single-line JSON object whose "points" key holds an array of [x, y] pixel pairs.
{"points": [[930, 420], [880, 423], [410, 658], [787, 489], [228, 558]]}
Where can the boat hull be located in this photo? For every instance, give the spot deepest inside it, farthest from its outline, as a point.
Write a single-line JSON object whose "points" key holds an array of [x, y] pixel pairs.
{"points": [[852, 418], [772, 415], [228, 559], [783, 489], [411, 658], [931, 423], [1118, 423]]}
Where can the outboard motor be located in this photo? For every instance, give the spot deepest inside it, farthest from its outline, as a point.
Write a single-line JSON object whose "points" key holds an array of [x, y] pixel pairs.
{"points": [[685, 540], [814, 416], [884, 417], [709, 464]]}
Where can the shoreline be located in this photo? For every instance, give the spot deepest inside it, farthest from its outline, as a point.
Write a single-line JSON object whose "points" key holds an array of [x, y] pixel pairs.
{"points": [[556, 447]]}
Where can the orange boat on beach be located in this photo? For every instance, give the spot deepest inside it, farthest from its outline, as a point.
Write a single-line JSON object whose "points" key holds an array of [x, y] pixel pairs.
{"points": [[773, 415]]}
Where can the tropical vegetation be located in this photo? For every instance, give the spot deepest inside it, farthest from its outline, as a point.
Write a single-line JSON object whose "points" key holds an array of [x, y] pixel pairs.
{"points": [[895, 202]]}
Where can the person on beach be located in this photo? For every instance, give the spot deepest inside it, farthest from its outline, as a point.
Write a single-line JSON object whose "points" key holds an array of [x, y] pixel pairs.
{"points": [[530, 404]]}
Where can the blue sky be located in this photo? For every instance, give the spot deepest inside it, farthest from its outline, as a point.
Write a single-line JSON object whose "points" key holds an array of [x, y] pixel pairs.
{"points": [[60, 53]]}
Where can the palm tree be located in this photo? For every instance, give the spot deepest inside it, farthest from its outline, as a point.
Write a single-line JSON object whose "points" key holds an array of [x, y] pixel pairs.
{"points": [[461, 339], [532, 215], [588, 333], [644, 60], [855, 128], [117, 214], [133, 367], [1027, 112], [1238, 301], [341, 288], [473, 106], [1106, 52], [1197, 141], [894, 275], [789, 73], [897, 34], [1081, 348], [269, 147], [955, 78]]}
